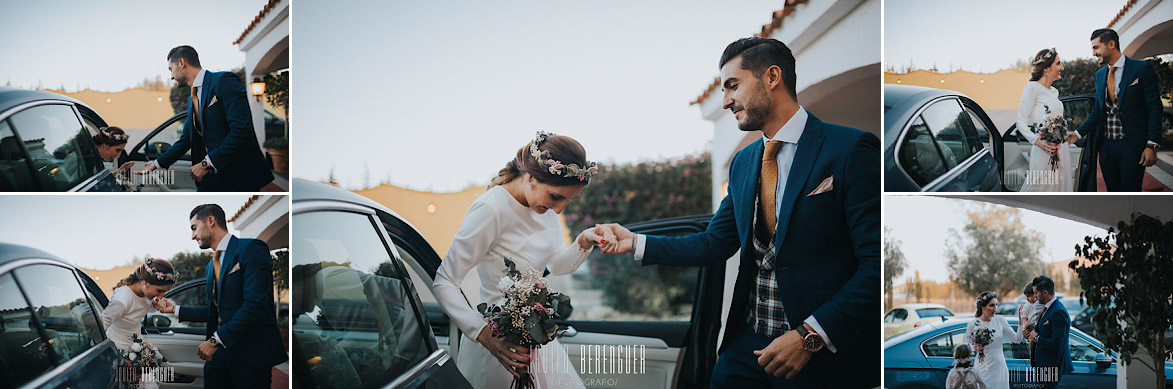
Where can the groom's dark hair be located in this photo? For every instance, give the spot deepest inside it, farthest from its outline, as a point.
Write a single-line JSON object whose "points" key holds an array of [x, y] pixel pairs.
{"points": [[1045, 283], [758, 54], [1107, 35], [203, 211], [186, 52]]}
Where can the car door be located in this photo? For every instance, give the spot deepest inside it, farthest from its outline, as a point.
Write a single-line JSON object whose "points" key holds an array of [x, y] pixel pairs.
{"points": [[50, 330], [1016, 158], [179, 341], [357, 319], [177, 177], [45, 147], [944, 149], [677, 347]]}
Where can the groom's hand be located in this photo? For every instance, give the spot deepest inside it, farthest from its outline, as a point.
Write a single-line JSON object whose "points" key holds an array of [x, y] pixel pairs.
{"points": [[163, 304], [784, 356], [1148, 157], [206, 350], [624, 237], [198, 172]]}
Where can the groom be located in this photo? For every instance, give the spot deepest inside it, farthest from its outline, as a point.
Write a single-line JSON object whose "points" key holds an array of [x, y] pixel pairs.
{"points": [[1051, 355], [1126, 115], [804, 209], [243, 340], [219, 130]]}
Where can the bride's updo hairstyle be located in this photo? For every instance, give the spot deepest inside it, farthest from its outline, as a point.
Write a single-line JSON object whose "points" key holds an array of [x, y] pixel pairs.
{"points": [[153, 271], [562, 149], [1043, 60], [111, 136], [984, 299]]}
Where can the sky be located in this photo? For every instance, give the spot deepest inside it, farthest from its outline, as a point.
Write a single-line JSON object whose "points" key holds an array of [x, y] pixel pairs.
{"points": [[112, 45], [987, 36], [105, 231], [438, 96], [923, 237]]}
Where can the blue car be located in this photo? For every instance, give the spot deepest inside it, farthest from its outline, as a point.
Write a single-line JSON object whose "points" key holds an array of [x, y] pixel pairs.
{"points": [[938, 140], [921, 358]]}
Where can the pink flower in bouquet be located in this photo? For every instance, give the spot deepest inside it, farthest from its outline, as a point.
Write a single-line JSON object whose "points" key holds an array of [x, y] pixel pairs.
{"points": [[495, 329], [540, 285], [538, 307]]}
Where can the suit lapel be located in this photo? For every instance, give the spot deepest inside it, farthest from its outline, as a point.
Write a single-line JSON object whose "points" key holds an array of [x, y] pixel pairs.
{"points": [[205, 95], [749, 189], [1126, 77], [804, 160]]}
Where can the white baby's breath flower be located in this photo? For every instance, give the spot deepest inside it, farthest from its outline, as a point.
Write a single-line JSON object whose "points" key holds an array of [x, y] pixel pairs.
{"points": [[505, 284], [136, 347], [131, 356]]}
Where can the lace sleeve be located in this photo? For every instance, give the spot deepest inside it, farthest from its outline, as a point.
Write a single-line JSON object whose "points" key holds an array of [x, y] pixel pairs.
{"points": [[1030, 96]]}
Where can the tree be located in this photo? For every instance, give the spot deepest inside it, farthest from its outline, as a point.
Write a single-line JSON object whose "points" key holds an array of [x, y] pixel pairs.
{"points": [[1164, 75], [281, 272], [191, 266], [917, 290], [1079, 77], [1128, 279], [894, 263], [993, 251]]}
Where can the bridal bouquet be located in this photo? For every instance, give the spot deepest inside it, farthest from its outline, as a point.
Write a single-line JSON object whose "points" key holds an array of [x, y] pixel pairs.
{"points": [[982, 336], [139, 359], [1054, 129], [527, 318]]}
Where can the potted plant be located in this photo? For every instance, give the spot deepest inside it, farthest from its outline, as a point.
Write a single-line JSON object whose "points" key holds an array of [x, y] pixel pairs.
{"points": [[278, 149]]}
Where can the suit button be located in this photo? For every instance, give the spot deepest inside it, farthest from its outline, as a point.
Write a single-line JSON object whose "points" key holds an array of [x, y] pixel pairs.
{"points": [[762, 298], [762, 323]]}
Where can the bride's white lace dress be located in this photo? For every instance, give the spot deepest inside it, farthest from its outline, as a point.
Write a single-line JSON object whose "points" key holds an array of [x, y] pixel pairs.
{"points": [[1032, 110], [992, 369], [123, 317], [497, 226]]}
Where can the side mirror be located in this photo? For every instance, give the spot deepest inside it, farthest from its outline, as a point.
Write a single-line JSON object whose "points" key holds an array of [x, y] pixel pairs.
{"points": [[1104, 361], [158, 321]]}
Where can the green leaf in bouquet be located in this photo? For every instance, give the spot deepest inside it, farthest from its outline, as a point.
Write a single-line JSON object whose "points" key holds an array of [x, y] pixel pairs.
{"points": [[512, 268], [543, 296], [483, 308], [537, 334]]}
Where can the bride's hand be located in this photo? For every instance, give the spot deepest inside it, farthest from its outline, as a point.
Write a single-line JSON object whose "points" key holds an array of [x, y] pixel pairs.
{"points": [[511, 356], [162, 304], [597, 236], [1049, 147], [623, 237]]}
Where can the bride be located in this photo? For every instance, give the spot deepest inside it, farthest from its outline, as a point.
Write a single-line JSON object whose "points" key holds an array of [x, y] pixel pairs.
{"points": [[513, 219], [1040, 99], [992, 367], [133, 298]]}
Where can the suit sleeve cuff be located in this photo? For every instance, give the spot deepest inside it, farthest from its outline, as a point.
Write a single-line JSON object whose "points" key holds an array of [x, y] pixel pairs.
{"points": [[154, 162], [641, 241], [218, 341], [814, 323], [1154, 143]]}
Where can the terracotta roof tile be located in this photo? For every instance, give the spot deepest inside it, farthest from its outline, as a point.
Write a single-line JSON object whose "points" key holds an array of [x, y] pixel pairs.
{"points": [[251, 200], [767, 29], [1123, 11], [256, 20]]}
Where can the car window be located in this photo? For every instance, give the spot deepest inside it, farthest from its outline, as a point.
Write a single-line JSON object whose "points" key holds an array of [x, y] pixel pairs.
{"points": [[901, 314], [983, 133], [62, 307], [61, 150], [15, 173], [942, 344], [890, 317], [933, 312], [353, 320], [1076, 112], [1082, 350], [158, 144], [24, 353], [191, 296], [919, 155], [437, 318], [953, 131]]}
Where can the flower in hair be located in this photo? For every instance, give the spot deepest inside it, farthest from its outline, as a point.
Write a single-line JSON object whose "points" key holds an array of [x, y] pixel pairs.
{"points": [[556, 167], [161, 276]]}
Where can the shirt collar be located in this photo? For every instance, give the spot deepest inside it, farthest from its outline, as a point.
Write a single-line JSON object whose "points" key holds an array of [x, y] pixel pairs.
{"points": [[223, 246], [199, 80], [1048, 305], [792, 130], [1120, 62]]}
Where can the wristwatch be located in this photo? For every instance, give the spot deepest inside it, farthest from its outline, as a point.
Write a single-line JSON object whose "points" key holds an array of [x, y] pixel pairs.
{"points": [[811, 341], [213, 342], [1154, 146], [204, 164]]}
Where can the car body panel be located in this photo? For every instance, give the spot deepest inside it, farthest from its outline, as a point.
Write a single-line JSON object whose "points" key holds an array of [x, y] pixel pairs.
{"points": [[903, 107]]}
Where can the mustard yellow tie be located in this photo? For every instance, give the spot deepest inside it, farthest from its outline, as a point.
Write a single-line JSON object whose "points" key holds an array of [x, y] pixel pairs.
{"points": [[216, 265], [195, 99], [769, 186], [1111, 88]]}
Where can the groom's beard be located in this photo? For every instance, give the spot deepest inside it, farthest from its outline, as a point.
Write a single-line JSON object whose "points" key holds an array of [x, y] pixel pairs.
{"points": [[756, 111]]}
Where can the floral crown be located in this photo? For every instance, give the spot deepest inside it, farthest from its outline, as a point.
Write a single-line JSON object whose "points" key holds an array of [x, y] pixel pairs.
{"points": [[161, 276], [118, 137], [1046, 57], [557, 167]]}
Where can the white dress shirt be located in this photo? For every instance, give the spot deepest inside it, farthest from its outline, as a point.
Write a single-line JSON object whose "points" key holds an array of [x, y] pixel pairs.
{"points": [[790, 133], [220, 248]]}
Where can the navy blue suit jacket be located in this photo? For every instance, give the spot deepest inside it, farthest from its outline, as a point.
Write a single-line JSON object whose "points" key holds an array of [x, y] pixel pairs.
{"points": [[225, 134], [1052, 348], [1139, 105], [828, 245], [241, 309]]}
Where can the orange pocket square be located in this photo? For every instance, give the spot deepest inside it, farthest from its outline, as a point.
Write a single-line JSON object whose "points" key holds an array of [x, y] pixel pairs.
{"points": [[824, 187], [1134, 82], [234, 269]]}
